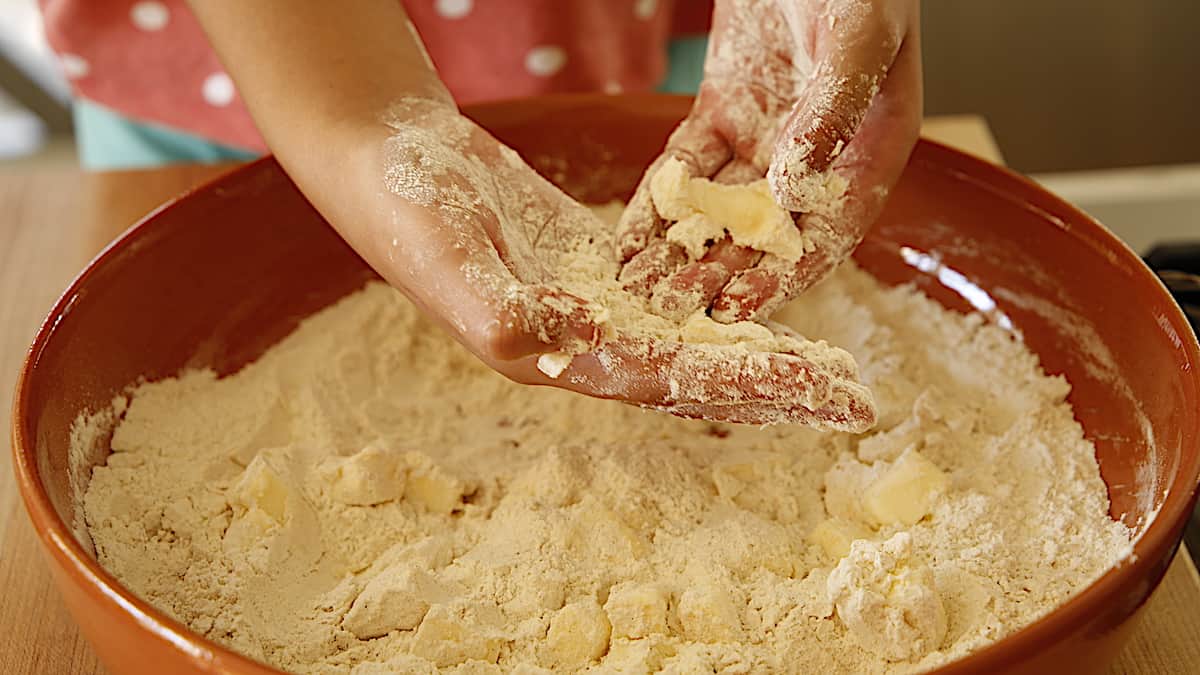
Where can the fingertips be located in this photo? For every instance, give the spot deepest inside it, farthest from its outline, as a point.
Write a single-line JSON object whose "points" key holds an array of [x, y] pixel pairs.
{"points": [[851, 409]]}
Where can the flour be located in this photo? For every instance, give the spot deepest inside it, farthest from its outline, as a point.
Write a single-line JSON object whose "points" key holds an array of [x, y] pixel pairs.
{"points": [[368, 498]]}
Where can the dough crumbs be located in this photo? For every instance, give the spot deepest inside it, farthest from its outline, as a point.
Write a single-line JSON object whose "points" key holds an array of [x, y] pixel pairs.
{"points": [[368, 498]]}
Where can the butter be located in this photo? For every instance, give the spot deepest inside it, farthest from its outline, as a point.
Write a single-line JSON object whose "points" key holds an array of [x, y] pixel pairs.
{"points": [[703, 211], [906, 492], [835, 535], [578, 634], [636, 610]]}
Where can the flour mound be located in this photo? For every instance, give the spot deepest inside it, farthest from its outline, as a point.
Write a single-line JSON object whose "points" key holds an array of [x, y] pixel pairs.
{"points": [[368, 498]]}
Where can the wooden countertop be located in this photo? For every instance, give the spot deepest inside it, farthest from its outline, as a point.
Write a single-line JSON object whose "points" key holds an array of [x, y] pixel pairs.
{"points": [[53, 221]]}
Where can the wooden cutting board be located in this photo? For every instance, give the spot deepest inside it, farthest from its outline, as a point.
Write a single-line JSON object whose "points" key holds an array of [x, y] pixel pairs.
{"points": [[53, 220]]}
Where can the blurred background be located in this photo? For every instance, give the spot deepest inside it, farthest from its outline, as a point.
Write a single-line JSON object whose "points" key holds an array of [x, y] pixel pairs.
{"points": [[1096, 98]]}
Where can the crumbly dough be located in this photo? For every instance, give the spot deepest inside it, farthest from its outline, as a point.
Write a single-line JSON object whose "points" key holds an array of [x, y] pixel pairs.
{"points": [[701, 211], [368, 498]]}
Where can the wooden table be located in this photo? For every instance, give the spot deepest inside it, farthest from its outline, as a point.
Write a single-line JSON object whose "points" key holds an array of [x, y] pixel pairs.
{"points": [[53, 221]]}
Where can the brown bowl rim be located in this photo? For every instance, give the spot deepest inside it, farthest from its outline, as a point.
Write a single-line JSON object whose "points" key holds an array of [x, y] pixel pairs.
{"points": [[1156, 543]]}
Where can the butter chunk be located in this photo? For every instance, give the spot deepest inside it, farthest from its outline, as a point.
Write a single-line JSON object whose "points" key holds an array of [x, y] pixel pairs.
{"points": [[396, 599], [906, 492], [636, 610], [262, 487], [707, 614], [694, 233], [701, 329], [370, 476], [578, 634], [554, 363], [702, 210], [432, 487], [669, 190], [456, 633], [835, 535]]}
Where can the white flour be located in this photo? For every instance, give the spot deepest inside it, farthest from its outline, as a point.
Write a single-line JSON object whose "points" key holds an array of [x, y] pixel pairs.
{"points": [[368, 498]]}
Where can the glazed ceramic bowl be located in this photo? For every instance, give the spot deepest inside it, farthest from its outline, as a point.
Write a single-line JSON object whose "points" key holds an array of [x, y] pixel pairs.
{"points": [[216, 277]]}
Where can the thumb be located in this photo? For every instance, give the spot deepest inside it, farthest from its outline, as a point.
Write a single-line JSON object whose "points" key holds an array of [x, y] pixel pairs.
{"points": [[855, 54]]}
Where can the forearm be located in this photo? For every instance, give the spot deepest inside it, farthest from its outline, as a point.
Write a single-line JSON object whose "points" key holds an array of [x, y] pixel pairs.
{"points": [[319, 79], [311, 71]]}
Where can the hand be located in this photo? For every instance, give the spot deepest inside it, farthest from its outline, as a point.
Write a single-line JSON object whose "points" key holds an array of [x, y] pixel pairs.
{"points": [[792, 88], [466, 229], [479, 240]]}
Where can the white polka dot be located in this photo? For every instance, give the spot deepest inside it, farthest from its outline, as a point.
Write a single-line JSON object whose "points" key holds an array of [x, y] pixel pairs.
{"points": [[453, 9], [74, 66], [218, 89], [149, 16], [644, 9], [546, 60], [613, 87]]}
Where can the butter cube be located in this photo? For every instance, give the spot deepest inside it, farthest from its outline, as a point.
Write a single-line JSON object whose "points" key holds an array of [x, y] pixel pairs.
{"points": [[554, 363], [262, 487], [636, 610], [578, 634], [835, 535], [369, 476], [431, 486], [396, 599], [450, 635], [707, 614], [906, 492]]}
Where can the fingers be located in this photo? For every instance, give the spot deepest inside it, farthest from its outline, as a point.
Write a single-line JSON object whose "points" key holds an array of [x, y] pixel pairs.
{"points": [[688, 289], [723, 383], [702, 150], [678, 288], [693, 285], [871, 164], [659, 259], [850, 409], [759, 292], [854, 56]]}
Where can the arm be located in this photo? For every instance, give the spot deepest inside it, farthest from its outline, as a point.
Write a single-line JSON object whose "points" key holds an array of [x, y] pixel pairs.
{"points": [[357, 116]]}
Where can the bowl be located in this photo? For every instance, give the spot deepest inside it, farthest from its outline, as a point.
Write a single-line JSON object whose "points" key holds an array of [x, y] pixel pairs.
{"points": [[214, 278]]}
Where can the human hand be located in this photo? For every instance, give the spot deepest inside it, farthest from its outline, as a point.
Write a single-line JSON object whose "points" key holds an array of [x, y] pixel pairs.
{"points": [[482, 243], [792, 89]]}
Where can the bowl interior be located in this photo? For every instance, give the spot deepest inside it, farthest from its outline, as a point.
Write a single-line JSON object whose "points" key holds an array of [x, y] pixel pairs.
{"points": [[217, 277]]}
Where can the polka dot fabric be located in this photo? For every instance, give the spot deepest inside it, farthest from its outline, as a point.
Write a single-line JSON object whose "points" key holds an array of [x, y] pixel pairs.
{"points": [[150, 60]]}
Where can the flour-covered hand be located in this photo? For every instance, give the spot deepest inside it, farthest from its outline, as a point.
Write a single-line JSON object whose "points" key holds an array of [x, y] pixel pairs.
{"points": [[801, 92], [483, 244]]}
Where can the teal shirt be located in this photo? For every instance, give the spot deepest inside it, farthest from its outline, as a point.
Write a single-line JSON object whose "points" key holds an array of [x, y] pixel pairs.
{"points": [[108, 140]]}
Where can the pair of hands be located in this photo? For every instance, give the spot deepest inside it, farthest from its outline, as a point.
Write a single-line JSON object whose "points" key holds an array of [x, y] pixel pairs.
{"points": [[791, 87]]}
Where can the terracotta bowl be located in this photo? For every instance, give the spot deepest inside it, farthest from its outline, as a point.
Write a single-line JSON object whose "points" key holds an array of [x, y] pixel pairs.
{"points": [[217, 276]]}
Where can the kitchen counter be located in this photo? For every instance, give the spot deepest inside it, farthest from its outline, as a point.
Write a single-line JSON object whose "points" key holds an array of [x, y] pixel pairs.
{"points": [[53, 221]]}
